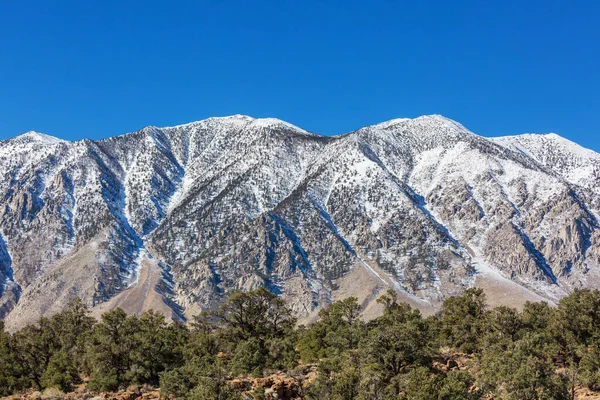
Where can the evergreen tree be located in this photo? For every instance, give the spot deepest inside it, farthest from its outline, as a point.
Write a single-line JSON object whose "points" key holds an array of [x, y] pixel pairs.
{"points": [[461, 320], [576, 330], [255, 314], [398, 341], [338, 329], [61, 372], [12, 373], [256, 324], [110, 346], [200, 365], [71, 324], [157, 347], [521, 370], [34, 347]]}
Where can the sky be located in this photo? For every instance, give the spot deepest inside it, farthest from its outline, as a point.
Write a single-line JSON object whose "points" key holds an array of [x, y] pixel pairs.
{"points": [[94, 69]]}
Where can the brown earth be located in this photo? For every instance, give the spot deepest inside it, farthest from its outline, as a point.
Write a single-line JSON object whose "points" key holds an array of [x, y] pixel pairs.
{"points": [[141, 297], [278, 386]]}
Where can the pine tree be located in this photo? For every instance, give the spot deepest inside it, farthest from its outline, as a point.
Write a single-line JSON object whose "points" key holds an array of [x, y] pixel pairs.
{"points": [[109, 349], [61, 372]]}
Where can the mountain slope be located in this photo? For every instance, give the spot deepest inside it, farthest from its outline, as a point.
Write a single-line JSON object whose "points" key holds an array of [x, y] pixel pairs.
{"points": [[196, 211], [577, 165]]}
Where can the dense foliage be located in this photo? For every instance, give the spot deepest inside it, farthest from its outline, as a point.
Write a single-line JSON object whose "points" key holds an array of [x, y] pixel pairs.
{"points": [[466, 351]]}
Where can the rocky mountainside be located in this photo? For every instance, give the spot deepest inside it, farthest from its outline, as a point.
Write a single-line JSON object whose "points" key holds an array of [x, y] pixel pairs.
{"points": [[176, 218]]}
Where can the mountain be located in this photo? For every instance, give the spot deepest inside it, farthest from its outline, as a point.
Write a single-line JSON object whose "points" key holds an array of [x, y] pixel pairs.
{"points": [[176, 218]]}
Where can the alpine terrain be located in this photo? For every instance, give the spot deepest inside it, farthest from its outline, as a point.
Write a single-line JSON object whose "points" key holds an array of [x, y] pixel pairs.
{"points": [[177, 218]]}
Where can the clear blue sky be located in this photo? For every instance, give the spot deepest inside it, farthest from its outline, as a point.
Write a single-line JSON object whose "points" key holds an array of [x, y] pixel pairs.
{"points": [[94, 69]]}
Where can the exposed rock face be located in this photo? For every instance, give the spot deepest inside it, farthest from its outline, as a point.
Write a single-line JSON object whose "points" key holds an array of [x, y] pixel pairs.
{"points": [[231, 203]]}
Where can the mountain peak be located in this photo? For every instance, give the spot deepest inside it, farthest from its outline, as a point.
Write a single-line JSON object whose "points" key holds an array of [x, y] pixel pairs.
{"points": [[274, 122], [33, 136], [424, 132], [240, 119], [236, 118], [438, 117], [431, 119]]}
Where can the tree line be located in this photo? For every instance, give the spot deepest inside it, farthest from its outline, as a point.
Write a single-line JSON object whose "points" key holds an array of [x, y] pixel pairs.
{"points": [[540, 352]]}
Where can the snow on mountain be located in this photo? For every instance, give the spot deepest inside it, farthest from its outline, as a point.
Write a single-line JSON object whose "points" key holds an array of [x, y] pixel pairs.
{"points": [[418, 205], [576, 164]]}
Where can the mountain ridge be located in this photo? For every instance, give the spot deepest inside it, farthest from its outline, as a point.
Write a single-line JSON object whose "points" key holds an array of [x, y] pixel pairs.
{"points": [[235, 202], [274, 121]]}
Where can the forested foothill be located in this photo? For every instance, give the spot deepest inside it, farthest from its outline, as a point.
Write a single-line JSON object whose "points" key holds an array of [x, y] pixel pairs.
{"points": [[252, 348]]}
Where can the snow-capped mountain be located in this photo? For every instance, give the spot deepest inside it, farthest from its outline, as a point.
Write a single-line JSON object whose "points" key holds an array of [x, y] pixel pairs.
{"points": [[175, 218]]}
